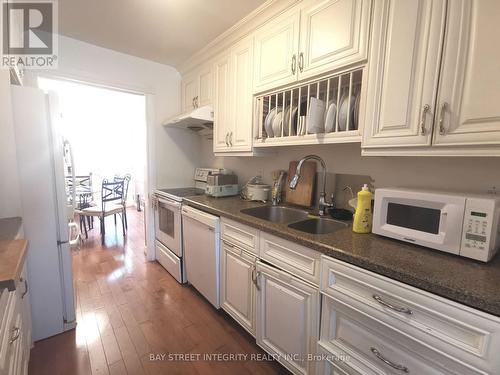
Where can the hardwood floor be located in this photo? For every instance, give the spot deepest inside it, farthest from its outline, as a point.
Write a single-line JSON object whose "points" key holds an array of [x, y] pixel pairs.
{"points": [[128, 309]]}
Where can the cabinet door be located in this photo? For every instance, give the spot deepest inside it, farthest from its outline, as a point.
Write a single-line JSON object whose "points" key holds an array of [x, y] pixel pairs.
{"points": [[403, 72], [189, 91], [240, 136], [205, 82], [468, 105], [276, 46], [333, 33], [287, 318], [222, 106], [237, 288]]}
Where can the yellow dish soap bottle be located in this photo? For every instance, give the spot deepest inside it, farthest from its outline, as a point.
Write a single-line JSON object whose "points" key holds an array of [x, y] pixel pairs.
{"points": [[363, 216]]}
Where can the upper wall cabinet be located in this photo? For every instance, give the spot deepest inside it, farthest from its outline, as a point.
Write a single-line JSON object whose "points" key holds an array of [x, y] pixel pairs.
{"points": [[197, 88], [333, 33], [233, 99], [309, 39], [421, 103], [403, 72], [276, 46], [468, 110]]}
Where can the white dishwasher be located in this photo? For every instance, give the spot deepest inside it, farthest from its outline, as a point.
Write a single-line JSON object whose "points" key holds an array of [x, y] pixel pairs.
{"points": [[201, 236]]}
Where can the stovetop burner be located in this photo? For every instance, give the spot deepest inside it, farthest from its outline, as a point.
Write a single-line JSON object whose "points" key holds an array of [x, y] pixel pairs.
{"points": [[179, 193]]}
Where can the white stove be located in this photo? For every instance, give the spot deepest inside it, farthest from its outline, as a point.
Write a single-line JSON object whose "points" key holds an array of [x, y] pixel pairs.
{"points": [[168, 223]]}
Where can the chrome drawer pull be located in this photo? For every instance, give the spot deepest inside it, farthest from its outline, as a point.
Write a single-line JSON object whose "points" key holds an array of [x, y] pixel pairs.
{"points": [[16, 331], [444, 108], [25, 287], [254, 277], [404, 310], [426, 109], [387, 362], [294, 63]]}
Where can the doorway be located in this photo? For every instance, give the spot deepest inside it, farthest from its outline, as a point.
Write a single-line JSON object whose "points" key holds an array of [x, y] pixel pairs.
{"points": [[106, 128]]}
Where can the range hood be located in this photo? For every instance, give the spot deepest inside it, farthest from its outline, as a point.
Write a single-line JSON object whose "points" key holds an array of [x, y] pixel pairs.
{"points": [[199, 120]]}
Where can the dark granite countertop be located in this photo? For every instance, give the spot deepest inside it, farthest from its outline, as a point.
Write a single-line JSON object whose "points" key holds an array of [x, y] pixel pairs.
{"points": [[462, 280]]}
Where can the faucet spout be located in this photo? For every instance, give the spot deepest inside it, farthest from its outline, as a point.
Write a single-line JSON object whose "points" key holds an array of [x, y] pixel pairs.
{"points": [[295, 180]]}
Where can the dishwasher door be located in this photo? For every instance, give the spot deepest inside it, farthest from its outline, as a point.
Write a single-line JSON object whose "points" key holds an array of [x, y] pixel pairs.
{"points": [[201, 236]]}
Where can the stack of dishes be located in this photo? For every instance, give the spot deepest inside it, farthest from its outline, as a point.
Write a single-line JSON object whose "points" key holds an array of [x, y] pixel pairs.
{"points": [[349, 109], [269, 122]]}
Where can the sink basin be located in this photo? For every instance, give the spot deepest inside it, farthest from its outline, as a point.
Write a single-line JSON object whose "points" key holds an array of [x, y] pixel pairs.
{"points": [[318, 226], [276, 214]]}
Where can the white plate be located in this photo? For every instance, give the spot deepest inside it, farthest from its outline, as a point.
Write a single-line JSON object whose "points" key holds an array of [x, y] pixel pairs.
{"points": [[344, 107], [277, 124], [356, 111], [268, 123], [294, 120], [286, 120], [330, 117]]}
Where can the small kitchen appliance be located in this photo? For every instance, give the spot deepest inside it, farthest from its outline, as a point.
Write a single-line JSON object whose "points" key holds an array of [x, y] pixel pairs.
{"points": [[222, 185], [457, 223]]}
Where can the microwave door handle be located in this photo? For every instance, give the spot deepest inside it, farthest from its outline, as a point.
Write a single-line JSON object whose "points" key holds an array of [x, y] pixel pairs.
{"points": [[442, 221]]}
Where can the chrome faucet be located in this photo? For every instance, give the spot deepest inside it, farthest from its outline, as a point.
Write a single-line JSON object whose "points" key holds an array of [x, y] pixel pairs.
{"points": [[322, 195]]}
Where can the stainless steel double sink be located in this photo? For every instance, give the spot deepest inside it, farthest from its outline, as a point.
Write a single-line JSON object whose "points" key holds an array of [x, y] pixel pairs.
{"points": [[295, 218]]}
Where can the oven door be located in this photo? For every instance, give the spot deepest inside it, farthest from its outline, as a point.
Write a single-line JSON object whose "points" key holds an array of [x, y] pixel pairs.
{"points": [[429, 219], [168, 225]]}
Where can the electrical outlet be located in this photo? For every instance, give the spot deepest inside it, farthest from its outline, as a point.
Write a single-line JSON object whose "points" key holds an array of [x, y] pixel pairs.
{"points": [[492, 190]]}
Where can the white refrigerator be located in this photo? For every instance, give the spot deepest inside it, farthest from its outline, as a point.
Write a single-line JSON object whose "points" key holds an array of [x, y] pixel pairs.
{"points": [[40, 157]]}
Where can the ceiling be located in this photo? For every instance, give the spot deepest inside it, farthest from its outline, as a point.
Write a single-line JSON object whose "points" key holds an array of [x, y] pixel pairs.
{"points": [[166, 31]]}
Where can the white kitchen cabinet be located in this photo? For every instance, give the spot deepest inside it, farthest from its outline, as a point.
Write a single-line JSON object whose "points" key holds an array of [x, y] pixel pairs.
{"points": [[309, 39], [433, 79], [276, 46], [15, 328], [403, 72], [234, 102], [189, 91], [237, 285], [197, 88], [287, 318], [333, 34], [467, 111], [222, 106]]}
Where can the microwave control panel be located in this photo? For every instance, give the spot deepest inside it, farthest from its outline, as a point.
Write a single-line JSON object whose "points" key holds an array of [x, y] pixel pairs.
{"points": [[480, 228]]}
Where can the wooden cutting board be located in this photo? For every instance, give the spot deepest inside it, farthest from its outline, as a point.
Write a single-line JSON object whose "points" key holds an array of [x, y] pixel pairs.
{"points": [[304, 192]]}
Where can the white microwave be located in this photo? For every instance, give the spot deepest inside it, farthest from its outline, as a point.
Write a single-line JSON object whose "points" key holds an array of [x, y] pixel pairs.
{"points": [[461, 224]]}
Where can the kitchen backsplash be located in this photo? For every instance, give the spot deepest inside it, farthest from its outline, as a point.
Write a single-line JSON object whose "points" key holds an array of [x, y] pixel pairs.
{"points": [[458, 173]]}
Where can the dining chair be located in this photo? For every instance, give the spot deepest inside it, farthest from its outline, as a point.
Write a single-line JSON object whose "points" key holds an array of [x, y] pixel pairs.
{"points": [[126, 181], [112, 194]]}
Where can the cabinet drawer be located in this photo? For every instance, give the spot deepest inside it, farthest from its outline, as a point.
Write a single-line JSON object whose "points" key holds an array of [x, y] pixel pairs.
{"points": [[298, 260], [241, 235], [443, 325], [171, 262], [328, 362], [371, 347]]}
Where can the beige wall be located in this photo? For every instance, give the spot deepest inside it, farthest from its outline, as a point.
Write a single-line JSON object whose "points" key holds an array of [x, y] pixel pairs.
{"points": [[10, 201], [455, 173]]}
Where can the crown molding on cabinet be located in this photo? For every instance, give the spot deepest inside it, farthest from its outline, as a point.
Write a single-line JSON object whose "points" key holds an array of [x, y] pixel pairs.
{"points": [[239, 30]]}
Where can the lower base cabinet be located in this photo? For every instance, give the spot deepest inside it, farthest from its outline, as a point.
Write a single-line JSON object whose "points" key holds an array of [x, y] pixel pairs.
{"points": [[287, 318], [15, 329], [237, 285]]}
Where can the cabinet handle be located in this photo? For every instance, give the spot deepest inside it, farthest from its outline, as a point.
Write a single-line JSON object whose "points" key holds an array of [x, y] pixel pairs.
{"points": [[25, 287], [301, 61], [444, 108], [192, 102], [294, 63], [228, 244], [227, 143], [387, 362], [255, 276], [425, 110], [16, 331], [404, 310], [231, 139], [196, 101]]}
